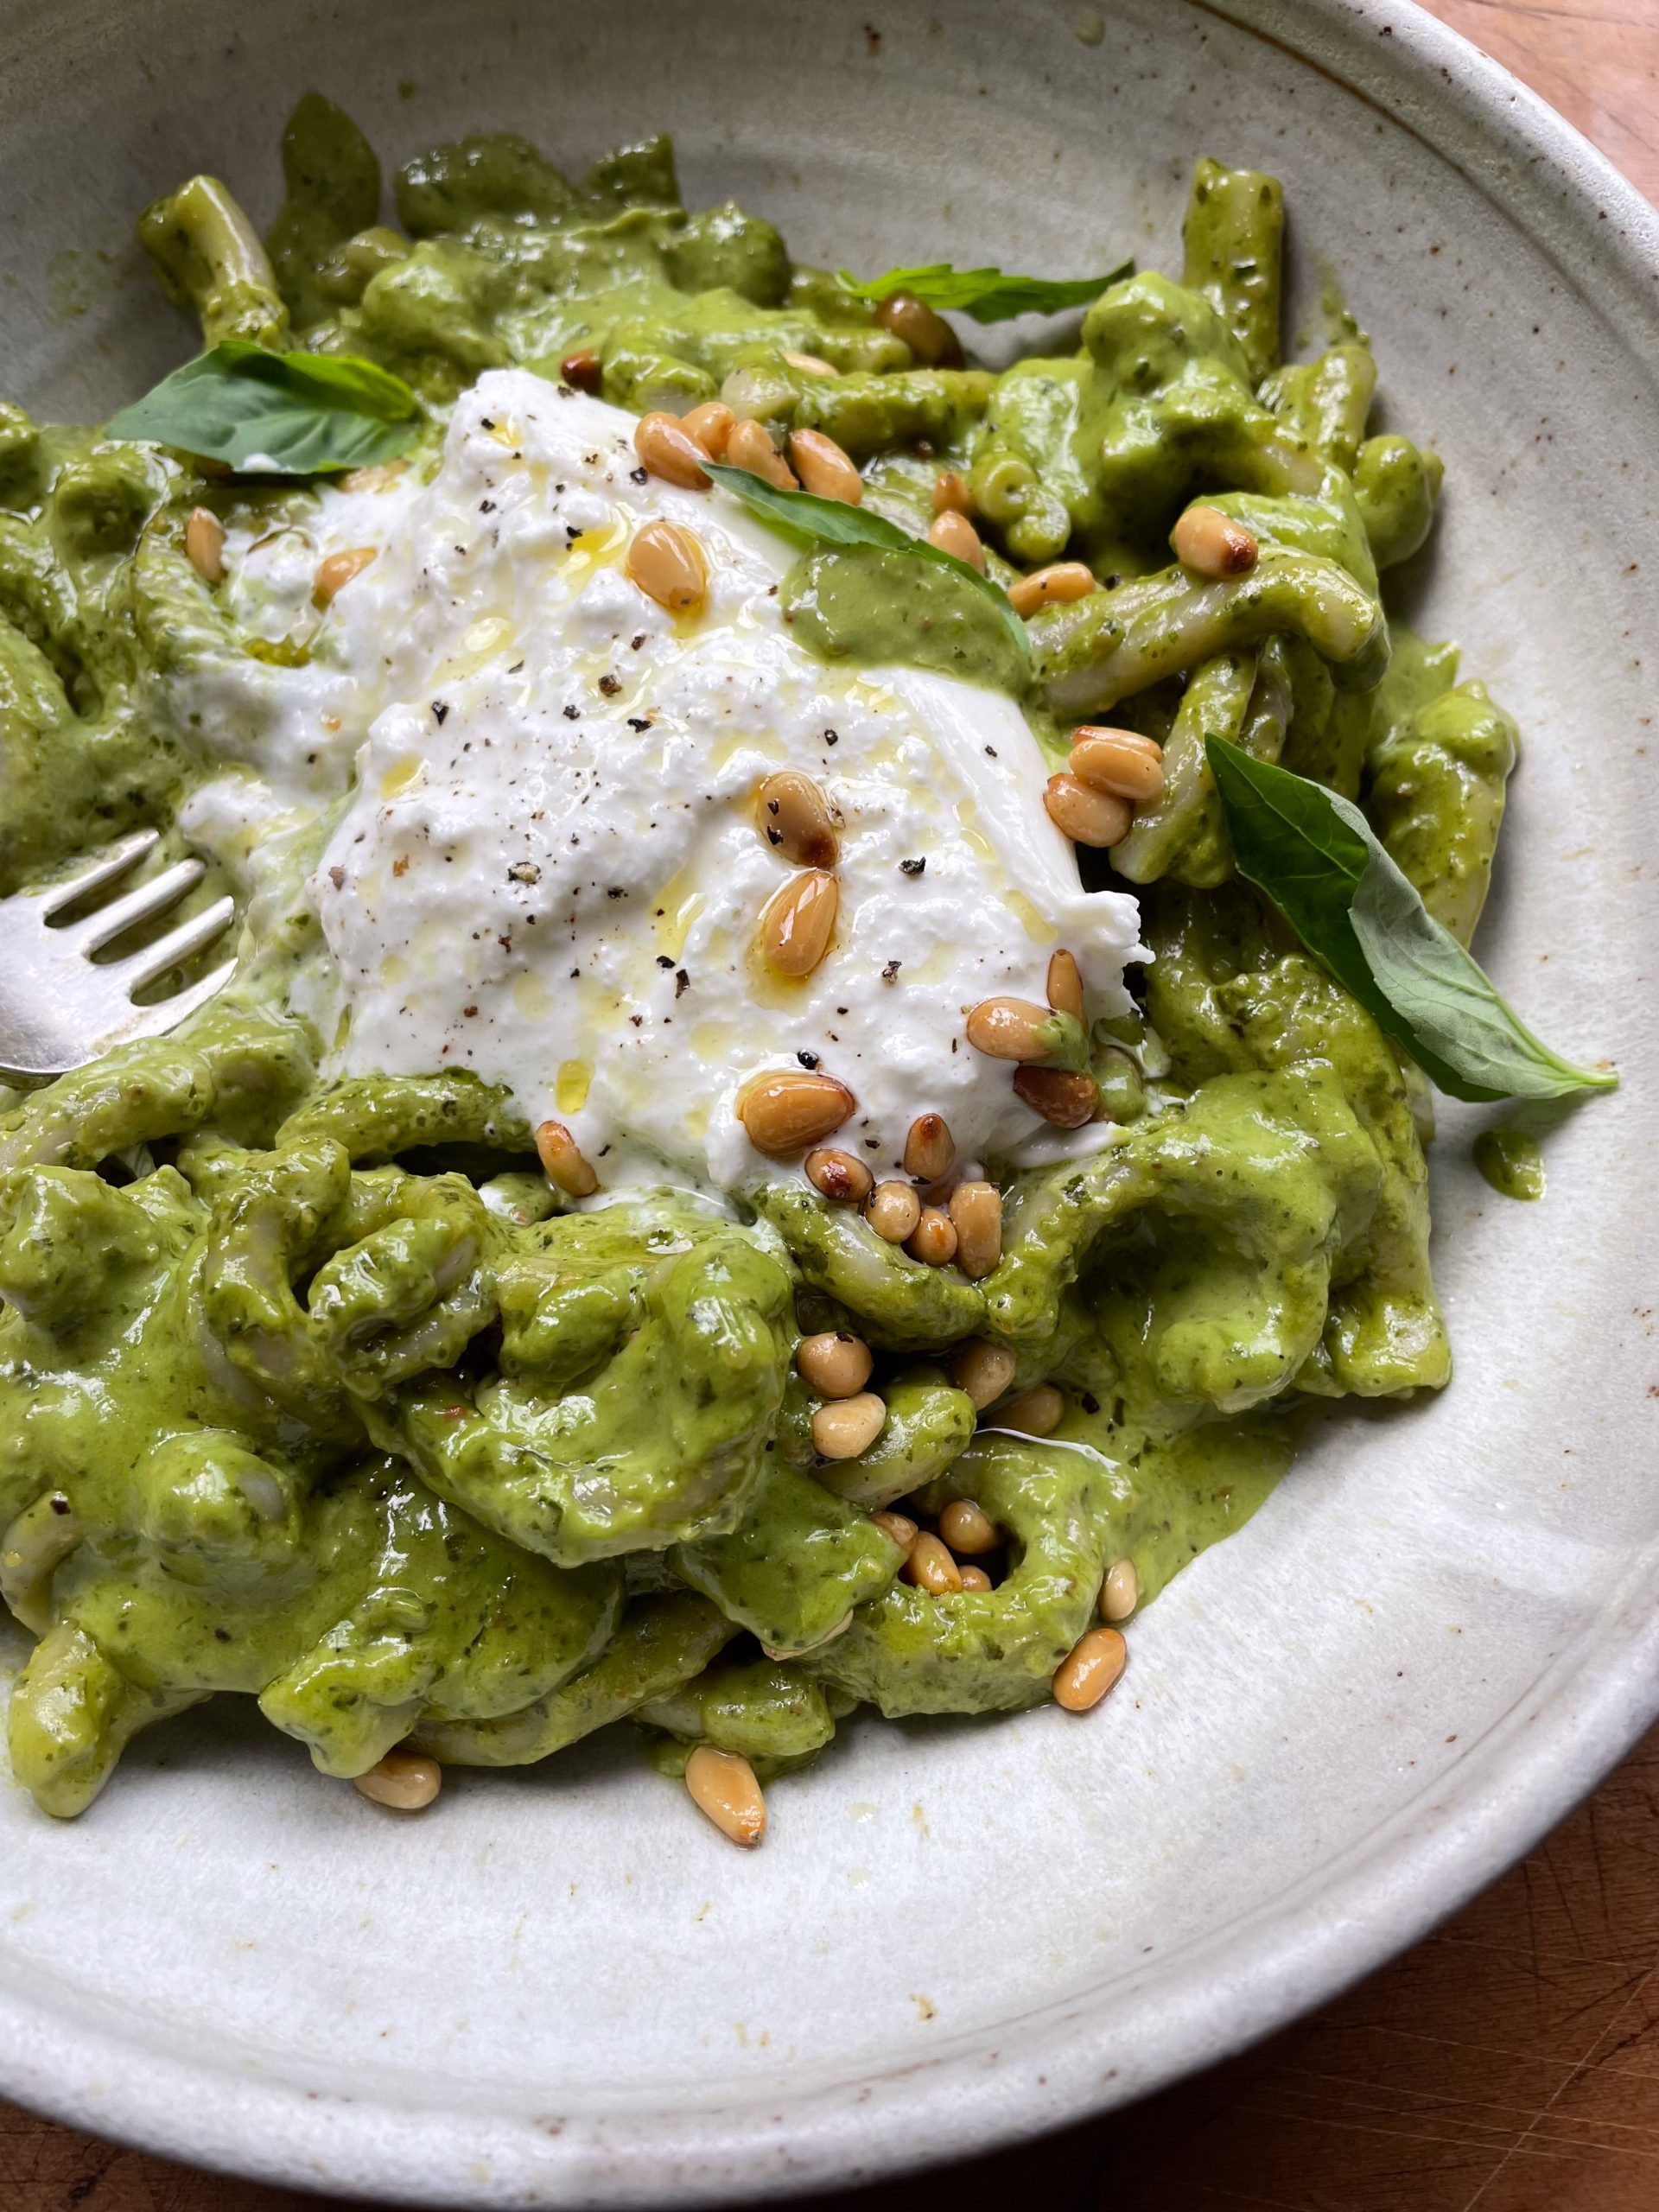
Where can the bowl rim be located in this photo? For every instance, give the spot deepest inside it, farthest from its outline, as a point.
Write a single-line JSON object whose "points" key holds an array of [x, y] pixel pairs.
{"points": [[1222, 1990]]}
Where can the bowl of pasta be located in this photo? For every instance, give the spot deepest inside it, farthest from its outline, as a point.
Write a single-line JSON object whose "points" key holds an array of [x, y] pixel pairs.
{"points": [[787, 823]]}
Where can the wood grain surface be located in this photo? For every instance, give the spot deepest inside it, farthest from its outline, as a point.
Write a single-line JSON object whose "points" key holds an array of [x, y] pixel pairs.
{"points": [[1596, 61], [1510, 2064]]}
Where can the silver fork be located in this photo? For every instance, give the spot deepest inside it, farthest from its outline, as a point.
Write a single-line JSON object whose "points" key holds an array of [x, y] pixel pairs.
{"points": [[58, 1009]]}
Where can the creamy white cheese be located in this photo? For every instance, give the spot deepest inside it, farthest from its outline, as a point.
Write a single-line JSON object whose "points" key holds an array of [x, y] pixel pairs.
{"points": [[550, 870]]}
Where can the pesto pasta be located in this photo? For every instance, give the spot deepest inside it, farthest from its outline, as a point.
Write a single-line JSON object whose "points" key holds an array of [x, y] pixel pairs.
{"points": [[413, 1341]]}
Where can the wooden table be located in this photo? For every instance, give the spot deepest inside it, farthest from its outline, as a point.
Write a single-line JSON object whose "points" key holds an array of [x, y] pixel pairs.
{"points": [[1510, 2064]]}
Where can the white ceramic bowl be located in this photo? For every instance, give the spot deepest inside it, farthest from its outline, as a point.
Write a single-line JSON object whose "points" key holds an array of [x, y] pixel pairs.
{"points": [[562, 1987]]}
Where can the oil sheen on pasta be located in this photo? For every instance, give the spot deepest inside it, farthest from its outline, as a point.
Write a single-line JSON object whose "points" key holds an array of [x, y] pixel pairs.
{"points": [[309, 1390]]}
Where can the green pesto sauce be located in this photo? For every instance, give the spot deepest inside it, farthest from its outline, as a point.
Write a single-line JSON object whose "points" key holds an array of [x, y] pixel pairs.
{"points": [[858, 603], [314, 1394], [1511, 1162]]}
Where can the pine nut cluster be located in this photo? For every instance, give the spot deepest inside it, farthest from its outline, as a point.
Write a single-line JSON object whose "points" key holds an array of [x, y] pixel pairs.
{"points": [[942, 1563], [1033, 1037], [1111, 772], [666, 560], [937, 1216]]}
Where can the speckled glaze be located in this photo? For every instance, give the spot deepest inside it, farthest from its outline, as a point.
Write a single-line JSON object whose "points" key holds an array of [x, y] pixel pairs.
{"points": [[562, 1987]]}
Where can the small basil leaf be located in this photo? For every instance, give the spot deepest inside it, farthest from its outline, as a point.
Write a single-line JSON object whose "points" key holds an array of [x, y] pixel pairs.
{"points": [[987, 294], [1316, 856], [834, 522], [805, 515], [276, 414], [1290, 842]]}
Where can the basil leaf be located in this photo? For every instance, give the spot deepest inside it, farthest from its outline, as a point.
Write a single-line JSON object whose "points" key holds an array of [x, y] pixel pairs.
{"points": [[276, 414], [341, 379], [1317, 859], [834, 522], [1457, 1012], [986, 294]]}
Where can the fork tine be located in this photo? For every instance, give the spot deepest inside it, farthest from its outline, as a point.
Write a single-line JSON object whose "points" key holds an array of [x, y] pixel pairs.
{"points": [[155, 1021], [194, 936], [117, 861], [142, 905]]}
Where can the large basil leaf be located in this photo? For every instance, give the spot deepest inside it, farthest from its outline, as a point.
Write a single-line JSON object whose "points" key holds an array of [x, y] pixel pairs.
{"points": [[1316, 857], [986, 294], [276, 414], [834, 522]]}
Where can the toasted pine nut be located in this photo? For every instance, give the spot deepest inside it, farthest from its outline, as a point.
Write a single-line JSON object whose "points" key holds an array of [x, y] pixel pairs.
{"points": [[951, 493], [929, 336], [564, 1162], [968, 1527], [893, 1211], [1033, 1412], [1121, 761], [954, 533], [669, 451], [1061, 580], [666, 561], [974, 1578], [374, 479], [1008, 1029], [204, 544], [1121, 1592], [789, 1108], [834, 1363], [929, 1147], [1067, 1101], [976, 1215], [931, 1567], [709, 427], [336, 572], [847, 1426], [797, 927], [1213, 544], [1089, 1669], [406, 1781], [933, 1240], [750, 446], [1086, 817], [585, 370], [794, 815], [898, 1526], [823, 468], [723, 1787], [839, 1176], [811, 364], [1065, 985], [983, 1370]]}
